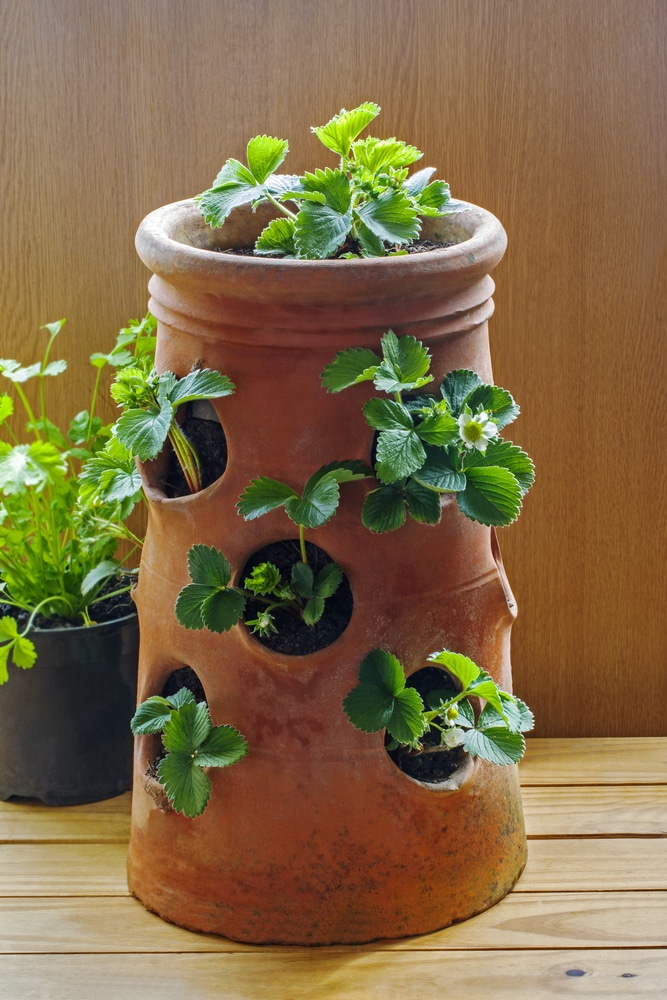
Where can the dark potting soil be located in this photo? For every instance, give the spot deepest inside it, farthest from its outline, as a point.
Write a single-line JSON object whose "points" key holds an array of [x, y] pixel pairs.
{"points": [[294, 637], [184, 677], [210, 443], [107, 609], [417, 246], [433, 764]]}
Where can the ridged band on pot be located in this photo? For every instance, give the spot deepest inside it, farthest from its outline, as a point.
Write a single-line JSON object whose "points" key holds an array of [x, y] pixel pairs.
{"points": [[65, 723], [316, 836]]}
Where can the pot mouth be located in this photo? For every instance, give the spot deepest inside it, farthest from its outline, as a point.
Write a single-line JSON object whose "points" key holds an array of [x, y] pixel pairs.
{"points": [[85, 629], [175, 239]]}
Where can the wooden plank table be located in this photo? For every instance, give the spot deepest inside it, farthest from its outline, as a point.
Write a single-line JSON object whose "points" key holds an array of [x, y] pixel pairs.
{"points": [[588, 917]]}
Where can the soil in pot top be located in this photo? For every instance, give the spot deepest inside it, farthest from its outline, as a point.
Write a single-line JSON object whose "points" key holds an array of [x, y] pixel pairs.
{"points": [[210, 443], [417, 246], [294, 637], [107, 609], [434, 764]]}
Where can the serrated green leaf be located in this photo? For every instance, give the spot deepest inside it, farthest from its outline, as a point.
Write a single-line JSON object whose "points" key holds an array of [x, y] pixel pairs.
{"points": [[144, 432], [221, 610], [391, 217], [371, 245], [353, 365], [487, 689], [186, 786], [340, 132], [277, 237], [508, 456], [382, 669], [17, 373], [263, 495], [317, 505], [342, 472], [434, 199], [184, 696], [387, 414], [407, 721], [302, 579], [334, 185], [457, 386], [202, 383], [416, 183], [423, 503], [379, 154], [496, 402], [223, 747], [438, 428], [461, 667], [55, 368], [150, 716], [437, 472], [188, 607], [265, 153], [495, 745], [399, 453], [187, 728], [492, 496], [208, 566], [313, 610], [384, 509], [405, 364], [320, 230], [328, 580], [368, 708]]}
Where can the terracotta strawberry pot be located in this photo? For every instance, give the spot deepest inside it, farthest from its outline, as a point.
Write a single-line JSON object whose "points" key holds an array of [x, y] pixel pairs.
{"points": [[317, 837]]}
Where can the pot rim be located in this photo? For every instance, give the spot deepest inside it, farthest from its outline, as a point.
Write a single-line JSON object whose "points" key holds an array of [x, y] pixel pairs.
{"points": [[174, 240]]}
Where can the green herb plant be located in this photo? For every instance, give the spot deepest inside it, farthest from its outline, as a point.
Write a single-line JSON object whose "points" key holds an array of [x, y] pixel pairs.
{"points": [[209, 601], [366, 206], [382, 700], [431, 444], [57, 554], [192, 745]]}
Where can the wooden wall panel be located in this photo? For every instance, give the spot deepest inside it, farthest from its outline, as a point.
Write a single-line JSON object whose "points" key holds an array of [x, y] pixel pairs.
{"points": [[550, 113]]}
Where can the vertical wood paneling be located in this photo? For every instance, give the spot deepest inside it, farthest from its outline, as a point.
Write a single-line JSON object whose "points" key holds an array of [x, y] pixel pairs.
{"points": [[550, 113]]}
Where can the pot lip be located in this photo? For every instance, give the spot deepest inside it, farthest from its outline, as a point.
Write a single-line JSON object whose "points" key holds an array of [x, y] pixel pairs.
{"points": [[75, 629], [164, 247]]}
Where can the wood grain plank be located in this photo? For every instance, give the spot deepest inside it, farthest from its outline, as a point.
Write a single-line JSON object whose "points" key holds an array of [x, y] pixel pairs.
{"points": [[608, 810], [63, 870], [46, 925], [594, 761], [566, 865], [593, 865], [106, 822], [350, 975]]}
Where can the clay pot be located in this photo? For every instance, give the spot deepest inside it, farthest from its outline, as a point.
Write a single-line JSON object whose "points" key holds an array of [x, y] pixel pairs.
{"points": [[316, 837]]}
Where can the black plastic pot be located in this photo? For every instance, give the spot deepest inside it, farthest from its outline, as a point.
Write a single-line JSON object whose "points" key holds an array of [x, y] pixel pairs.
{"points": [[65, 723]]}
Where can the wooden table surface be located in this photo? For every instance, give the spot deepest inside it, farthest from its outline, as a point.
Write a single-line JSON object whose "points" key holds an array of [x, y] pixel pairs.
{"points": [[588, 917]]}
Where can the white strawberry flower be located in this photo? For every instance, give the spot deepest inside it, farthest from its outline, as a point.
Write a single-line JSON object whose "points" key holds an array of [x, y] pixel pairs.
{"points": [[476, 430]]}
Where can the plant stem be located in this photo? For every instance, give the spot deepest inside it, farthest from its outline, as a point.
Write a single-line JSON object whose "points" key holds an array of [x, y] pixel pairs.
{"points": [[302, 544]]}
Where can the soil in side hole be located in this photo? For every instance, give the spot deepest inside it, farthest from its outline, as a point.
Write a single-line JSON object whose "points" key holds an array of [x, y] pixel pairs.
{"points": [[294, 637], [209, 442], [433, 765]]}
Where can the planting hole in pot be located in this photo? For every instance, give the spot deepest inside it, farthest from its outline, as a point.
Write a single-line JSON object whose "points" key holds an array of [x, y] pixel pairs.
{"points": [[434, 764], [201, 426], [184, 677], [293, 637]]}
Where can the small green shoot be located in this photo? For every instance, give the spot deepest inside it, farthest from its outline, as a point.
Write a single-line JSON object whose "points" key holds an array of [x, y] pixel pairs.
{"points": [[382, 700], [192, 744]]}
